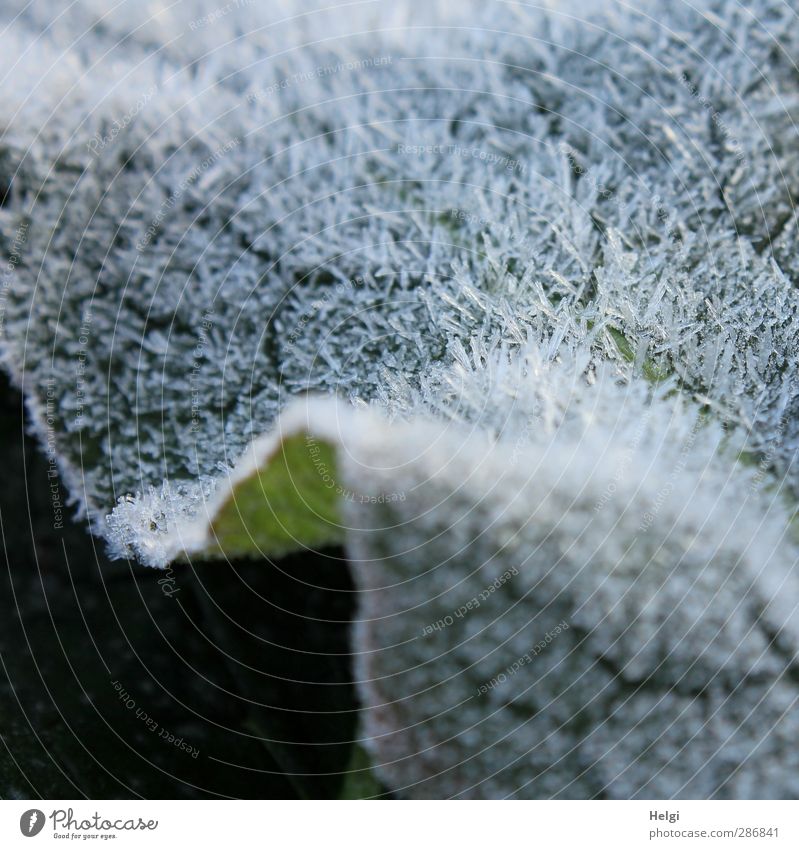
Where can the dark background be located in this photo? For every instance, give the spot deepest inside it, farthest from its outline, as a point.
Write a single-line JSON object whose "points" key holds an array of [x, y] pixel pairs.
{"points": [[246, 662]]}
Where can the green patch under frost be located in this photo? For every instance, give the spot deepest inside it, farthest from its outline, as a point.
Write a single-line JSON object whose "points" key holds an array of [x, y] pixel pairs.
{"points": [[289, 503], [651, 371]]}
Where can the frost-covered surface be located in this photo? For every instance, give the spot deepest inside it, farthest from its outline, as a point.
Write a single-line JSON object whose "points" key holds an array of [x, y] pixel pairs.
{"points": [[609, 613], [270, 219], [546, 232]]}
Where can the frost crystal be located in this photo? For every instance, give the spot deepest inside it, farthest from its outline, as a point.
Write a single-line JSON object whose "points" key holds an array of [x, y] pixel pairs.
{"points": [[607, 610], [538, 233]]}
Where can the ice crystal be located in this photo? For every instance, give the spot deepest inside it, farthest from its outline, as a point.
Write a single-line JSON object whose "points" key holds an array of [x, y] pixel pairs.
{"points": [[537, 232], [606, 609]]}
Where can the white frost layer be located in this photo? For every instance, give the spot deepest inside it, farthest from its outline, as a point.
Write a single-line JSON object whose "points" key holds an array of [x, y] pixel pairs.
{"points": [[249, 236], [205, 226], [604, 607], [610, 611]]}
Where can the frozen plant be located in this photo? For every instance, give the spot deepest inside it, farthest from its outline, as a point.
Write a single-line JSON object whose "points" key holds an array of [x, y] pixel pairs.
{"points": [[557, 250]]}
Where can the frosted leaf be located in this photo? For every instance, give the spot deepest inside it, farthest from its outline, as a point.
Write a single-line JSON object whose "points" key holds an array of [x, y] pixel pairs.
{"points": [[602, 605], [543, 228], [531, 257], [605, 612]]}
